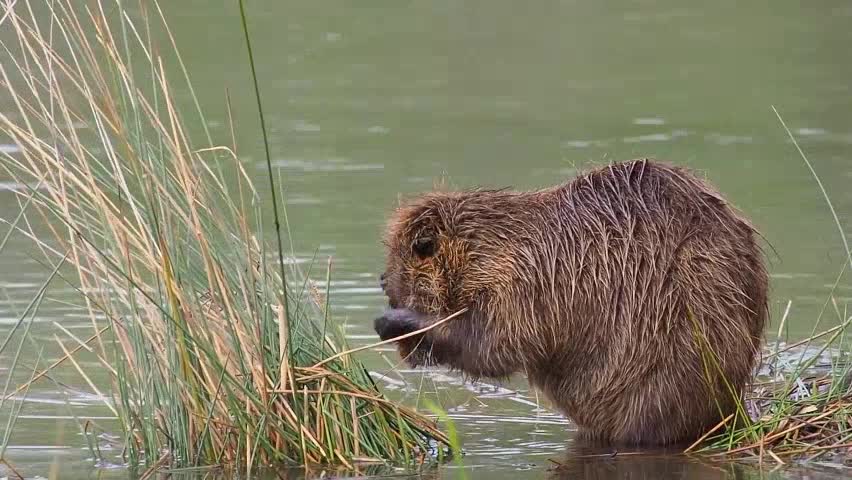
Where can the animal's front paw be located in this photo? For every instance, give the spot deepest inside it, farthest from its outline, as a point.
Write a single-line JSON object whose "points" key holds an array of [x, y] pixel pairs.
{"points": [[397, 322]]}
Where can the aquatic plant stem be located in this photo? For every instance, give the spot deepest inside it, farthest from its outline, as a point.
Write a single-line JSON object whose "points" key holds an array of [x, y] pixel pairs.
{"points": [[819, 184], [709, 432], [272, 189], [56, 363]]}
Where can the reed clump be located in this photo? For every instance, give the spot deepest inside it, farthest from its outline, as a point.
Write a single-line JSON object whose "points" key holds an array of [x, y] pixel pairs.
{"points": [[218, 348], [799, 408]]}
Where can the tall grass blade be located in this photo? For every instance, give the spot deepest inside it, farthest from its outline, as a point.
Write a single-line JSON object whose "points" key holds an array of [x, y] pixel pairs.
{"points": [[268, 156]]}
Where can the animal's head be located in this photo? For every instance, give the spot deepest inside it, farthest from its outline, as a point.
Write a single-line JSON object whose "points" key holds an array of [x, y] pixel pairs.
{"points": [[447, 252], [428, 254]]}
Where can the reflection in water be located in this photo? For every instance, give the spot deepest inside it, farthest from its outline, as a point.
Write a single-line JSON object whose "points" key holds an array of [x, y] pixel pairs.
{"points": [[599, 464], [370, 471], [587, 463]]}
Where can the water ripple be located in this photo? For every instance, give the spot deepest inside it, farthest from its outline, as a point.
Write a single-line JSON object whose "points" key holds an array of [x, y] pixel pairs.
{"points": [[326, 165]]}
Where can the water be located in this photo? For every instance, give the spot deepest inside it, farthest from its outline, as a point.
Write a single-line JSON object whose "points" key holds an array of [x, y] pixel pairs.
{"points": [[369, 101]]}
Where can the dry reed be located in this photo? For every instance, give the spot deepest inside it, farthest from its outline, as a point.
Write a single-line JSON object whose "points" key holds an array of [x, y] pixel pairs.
{"points": [[215, 358], [800, 406]]}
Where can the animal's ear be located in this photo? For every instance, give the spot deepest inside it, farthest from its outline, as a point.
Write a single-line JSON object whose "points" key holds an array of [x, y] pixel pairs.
{"points": [[419, 220], [419, 224]]}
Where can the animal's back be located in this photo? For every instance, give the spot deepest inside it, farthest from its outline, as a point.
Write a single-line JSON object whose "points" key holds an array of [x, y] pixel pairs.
{"points": [[667, 293]]}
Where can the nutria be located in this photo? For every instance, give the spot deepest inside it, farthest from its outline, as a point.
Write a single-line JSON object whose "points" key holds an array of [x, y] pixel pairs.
{"points": [[634, 296]]}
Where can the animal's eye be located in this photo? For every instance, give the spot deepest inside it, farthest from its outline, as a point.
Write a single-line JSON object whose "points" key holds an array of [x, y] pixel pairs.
{"points": [[424, 247]]}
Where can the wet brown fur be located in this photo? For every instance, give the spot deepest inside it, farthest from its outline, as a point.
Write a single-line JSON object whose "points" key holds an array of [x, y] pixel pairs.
{"points": [[634, 296]]}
